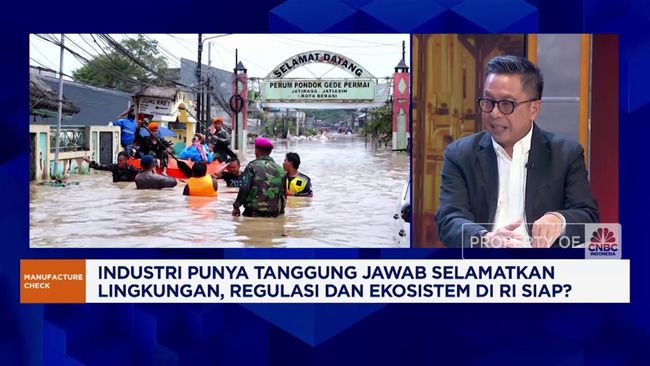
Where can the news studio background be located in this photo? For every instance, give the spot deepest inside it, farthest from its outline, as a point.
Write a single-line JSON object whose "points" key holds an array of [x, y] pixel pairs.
{"points": [[252, 334]]}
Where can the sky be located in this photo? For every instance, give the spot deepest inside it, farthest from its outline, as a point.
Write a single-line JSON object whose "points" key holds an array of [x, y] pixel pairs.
{"points": [[260, 53]]}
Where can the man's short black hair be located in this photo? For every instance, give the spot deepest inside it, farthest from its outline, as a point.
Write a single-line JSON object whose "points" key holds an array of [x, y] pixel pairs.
{"points": [[294, 159], [264, 150], [147, 164], [230, 160], [122, 153], [131, 115], [199, 169], [532, 80]]}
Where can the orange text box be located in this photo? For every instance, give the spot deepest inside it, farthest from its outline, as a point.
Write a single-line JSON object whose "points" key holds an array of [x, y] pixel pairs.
{"points": [[52, 281]]}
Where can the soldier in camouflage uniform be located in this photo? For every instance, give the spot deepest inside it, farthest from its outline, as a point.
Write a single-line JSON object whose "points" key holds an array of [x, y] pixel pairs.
{"points": [[261, 192]]}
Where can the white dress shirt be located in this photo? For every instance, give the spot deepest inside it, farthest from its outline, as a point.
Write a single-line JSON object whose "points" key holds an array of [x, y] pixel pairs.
{"points": [[512, 185]]}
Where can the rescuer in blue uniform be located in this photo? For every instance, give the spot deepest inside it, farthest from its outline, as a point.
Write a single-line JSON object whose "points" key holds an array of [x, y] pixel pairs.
{"points": [[127, 132]]}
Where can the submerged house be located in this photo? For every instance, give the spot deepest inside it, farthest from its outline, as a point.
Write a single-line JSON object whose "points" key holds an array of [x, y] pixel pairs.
{"points": [[170, 107], [44, 102], [99, 141]]}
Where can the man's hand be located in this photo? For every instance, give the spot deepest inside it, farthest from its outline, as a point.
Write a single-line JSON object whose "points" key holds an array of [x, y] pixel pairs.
{"points": [[505, 237], [235, 211], [222, 167], [219, 172], [546, 230]]}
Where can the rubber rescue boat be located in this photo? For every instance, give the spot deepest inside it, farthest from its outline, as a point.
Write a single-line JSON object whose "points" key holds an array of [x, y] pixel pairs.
{"points": [[172, 167]]}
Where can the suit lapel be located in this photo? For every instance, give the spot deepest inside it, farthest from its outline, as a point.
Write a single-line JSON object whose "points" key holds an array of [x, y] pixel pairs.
{"points": [[538, 159], [487, 160]]}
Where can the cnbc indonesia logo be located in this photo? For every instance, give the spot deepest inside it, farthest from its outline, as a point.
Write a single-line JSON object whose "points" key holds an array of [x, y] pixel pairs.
{"points": [[604, 242]]}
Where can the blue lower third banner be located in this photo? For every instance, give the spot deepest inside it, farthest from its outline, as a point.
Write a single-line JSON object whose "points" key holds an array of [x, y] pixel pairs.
{"points": [[325, 281]]}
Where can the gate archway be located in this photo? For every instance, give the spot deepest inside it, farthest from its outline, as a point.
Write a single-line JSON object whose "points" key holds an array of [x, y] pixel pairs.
{"points": [[360, 90]]}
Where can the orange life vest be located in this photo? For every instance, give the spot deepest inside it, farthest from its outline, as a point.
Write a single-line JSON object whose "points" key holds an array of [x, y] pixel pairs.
{"points": [[201, 186]]}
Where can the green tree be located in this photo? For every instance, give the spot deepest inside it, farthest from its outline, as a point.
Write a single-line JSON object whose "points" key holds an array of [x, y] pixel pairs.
{"points": [[308, 131], [380, 124], [273, 128], [116, 70], [330, 116]]}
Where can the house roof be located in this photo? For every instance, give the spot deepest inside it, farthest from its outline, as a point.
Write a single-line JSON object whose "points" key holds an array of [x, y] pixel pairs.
{"points": [[167, 92], [42, 99], [401, 65], [97, 106]]}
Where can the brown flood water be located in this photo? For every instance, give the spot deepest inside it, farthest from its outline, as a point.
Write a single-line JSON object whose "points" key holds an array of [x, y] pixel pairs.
{"points": [[356, 190]]}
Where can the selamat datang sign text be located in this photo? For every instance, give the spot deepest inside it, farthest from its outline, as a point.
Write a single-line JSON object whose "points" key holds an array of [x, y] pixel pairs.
{"points": [[313, 90]]}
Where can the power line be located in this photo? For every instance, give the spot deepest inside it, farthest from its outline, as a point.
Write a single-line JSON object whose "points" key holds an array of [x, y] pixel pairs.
{"points": [[98, 66], [163, 51], [242, 58], [323, 44], [177, 40], [109, 55], [120, 49], [360, 41], [101, 48], [81, 48], [44, 66], [215, 91], [44, 57], [102, 66], [89, 87], [106, 66]]}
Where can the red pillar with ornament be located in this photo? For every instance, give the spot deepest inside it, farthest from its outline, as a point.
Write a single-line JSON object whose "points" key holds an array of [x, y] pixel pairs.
{"points": [[239, 108], [401, 105]]}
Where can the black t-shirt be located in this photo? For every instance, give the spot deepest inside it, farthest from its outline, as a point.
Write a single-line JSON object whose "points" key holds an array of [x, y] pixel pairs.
{"points": [[232, 180], [126, 174]]}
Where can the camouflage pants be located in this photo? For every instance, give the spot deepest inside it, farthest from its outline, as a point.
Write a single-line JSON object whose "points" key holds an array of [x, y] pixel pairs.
{"points": [[253, 213]]}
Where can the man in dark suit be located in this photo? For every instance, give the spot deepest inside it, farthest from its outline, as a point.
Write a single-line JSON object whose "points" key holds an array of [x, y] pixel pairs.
{"points": [[528, 184]]}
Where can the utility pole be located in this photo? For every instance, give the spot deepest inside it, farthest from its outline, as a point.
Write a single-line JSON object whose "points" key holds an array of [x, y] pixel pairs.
{"points": [[209, 55], [202, 100], [199, 94], [233, 126], [208, 90], [57, 144], [208, 87], [298, 114]]}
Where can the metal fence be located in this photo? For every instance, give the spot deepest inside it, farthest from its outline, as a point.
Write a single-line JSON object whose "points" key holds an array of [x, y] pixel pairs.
{"points": [[73, 138]]}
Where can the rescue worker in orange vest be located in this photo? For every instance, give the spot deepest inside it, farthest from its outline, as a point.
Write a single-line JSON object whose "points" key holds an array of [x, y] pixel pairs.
{"points": [[200, 184]]}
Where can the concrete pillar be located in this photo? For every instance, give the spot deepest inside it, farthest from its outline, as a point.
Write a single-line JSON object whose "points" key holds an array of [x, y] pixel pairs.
{"points": [[401, 106], [42, 151], [240, 130]]}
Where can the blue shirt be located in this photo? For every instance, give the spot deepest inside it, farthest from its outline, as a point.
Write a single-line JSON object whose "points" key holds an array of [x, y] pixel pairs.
{"points": [[192, 153], [128, 130]]}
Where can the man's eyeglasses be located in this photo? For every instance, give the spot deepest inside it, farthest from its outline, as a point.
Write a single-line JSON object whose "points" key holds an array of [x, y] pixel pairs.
{"points": [[486, 105]]}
